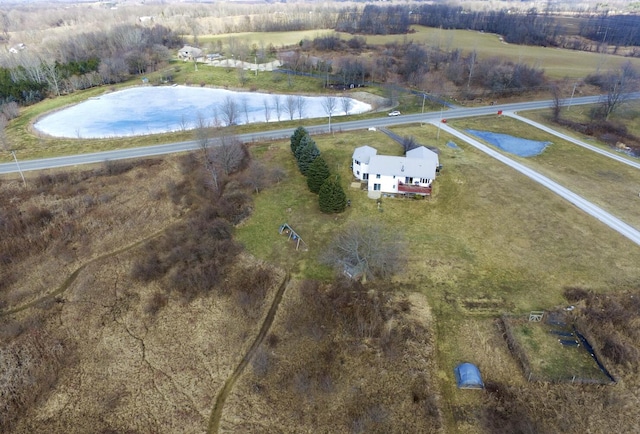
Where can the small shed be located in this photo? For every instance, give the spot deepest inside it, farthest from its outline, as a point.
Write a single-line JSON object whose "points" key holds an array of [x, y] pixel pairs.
{"points": [[468, 376]]}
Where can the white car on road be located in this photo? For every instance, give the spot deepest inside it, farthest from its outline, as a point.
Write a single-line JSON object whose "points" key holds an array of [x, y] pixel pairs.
{"points": [[395, 113]]}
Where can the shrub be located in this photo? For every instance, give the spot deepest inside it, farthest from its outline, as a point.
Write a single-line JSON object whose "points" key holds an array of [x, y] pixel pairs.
{"points": [[575, 294]]}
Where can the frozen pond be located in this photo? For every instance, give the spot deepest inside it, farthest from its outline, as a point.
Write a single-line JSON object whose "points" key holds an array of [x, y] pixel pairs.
{"points": [[514, 145], [152, 110]]}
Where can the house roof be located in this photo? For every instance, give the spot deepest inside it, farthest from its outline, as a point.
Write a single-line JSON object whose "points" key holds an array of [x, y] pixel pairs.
{"points": [[422, 152], [402, 166], [364, 153]]}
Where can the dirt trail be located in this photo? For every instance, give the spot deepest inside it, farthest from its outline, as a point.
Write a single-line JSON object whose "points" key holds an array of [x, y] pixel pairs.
{"points": [[72, 277], [216, 413]]}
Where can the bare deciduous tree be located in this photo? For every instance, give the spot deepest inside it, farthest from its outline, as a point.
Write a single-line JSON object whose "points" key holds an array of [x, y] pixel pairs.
{"points": [[277, 105], [346, 103], [617, 86], [244, 103], [228, 153], [229, 111], [367, 250], [329, 104], [301, 104], [202, 132], [267, 110], [257, 176], [290, 106], [557, 101]]}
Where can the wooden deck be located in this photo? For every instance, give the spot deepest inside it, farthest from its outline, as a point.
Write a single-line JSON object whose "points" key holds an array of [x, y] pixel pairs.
{"points": [[413, 189]]}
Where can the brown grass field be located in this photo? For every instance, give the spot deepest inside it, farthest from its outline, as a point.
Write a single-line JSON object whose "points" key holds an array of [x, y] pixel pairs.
{"points": [[103, 349], [487, 242]]}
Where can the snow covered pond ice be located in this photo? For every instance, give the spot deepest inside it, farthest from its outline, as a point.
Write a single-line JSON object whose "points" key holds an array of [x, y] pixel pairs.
{"points": [[152, 110], [514, 145]]}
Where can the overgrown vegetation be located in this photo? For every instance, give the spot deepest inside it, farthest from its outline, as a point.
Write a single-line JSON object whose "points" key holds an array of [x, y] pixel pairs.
{"points": [[611, 320], [318, 348]]}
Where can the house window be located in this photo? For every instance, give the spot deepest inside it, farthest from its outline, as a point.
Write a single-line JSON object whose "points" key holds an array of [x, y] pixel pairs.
{"points": [[357, 172], [357, 162], [378, 176], [376, 187], [365, 176]]}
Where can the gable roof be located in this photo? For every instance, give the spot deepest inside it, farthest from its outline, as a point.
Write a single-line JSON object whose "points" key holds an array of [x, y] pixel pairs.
{"points": [[364, 153], [402, 166], [421, 152]]}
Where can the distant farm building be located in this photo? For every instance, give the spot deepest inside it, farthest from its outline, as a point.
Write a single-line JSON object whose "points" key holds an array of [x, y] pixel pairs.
{"points": [[189, 53]]}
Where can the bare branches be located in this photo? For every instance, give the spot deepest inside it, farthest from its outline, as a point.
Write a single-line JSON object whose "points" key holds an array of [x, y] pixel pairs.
{"points": [[229, 111], [366, 250]]}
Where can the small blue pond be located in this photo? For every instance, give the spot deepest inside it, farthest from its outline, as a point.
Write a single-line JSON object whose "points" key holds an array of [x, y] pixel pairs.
{"points": [[514, 145]]}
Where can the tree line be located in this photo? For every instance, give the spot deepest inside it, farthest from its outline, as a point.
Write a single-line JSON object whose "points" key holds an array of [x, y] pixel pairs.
{"points": [[84, 61], [331, 195], [530, 28]]}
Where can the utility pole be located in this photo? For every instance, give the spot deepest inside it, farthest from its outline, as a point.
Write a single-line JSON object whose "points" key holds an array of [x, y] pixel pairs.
{"points": [[424, 95], [438, 135], [19, 169], [255, 58], [572, 92]]}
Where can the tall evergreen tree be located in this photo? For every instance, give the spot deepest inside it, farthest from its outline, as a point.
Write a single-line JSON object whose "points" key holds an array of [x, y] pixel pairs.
{"points": [[332, 198], [297, 136], [317, 174], [304, 141], [306, 155]]}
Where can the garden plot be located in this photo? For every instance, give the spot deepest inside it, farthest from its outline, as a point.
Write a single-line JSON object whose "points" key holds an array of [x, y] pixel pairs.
{"points": [[552, 350]]}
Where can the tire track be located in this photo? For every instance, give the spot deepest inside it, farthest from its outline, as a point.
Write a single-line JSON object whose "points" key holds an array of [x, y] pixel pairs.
{"points": [[216, 413]]}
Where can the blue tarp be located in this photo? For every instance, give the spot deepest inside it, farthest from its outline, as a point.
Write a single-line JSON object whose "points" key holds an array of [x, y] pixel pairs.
{"points": [[468, 376]]}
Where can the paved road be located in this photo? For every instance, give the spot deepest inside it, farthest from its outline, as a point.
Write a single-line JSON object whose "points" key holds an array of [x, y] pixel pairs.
{"points": [[149, 151], [613, 222]]}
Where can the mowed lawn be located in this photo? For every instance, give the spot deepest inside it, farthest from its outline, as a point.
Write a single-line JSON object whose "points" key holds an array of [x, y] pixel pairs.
{"points": [[487, 234], [488, 242]]}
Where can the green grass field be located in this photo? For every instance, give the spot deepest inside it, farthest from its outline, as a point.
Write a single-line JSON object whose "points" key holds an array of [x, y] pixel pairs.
{"points": [[605, 182], [557, 63]]}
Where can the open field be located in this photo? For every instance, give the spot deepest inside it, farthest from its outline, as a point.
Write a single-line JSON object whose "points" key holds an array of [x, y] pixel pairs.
{"points": [[607, 183], [557, 63], [487, 242], [133, 354]]}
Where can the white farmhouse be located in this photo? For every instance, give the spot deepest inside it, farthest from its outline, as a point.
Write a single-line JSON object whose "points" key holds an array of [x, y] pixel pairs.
{"points": [[385, 174]]}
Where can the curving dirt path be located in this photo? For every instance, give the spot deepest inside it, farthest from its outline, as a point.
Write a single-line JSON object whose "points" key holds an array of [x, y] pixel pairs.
{"points": [[73, 276], [216, 413]]}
